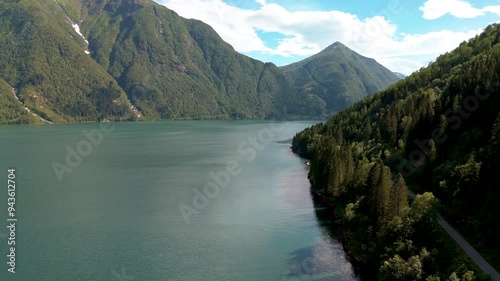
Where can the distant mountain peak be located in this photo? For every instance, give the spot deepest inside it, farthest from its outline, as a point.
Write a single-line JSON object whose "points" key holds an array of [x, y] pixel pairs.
{"points": [[400, 75], [336, 45], [339, 76], [135, 44]]}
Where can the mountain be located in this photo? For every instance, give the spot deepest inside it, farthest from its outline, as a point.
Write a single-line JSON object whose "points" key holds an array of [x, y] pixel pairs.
{"points": [[400, 75], [11, 110], [438, 131], [43, 58], [90, 60], [86, 60], [339, 76], [174, 68]]}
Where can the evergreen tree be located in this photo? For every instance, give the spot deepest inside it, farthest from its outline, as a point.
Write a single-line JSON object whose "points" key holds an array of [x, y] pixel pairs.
{"points": [[461, 159], [367, 130], [399, 197], [382, 195], [379, 182]]}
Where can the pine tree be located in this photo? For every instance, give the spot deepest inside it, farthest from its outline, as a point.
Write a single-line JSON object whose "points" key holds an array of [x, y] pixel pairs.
{"points": [[367, 130], [431, 154], [339, 135], [398, 200], [382, 196], [321, 167], [379, 183], [495, 138], [349, 164], [337, 175]]}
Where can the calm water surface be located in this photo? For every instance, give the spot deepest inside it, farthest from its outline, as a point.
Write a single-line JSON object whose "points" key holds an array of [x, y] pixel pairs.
{"points": [[142, 204]]}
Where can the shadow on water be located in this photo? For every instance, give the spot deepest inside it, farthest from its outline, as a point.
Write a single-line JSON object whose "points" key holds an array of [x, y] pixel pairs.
{"points": [[331, 227], [326, 258], [287, 141], [322, 261]]}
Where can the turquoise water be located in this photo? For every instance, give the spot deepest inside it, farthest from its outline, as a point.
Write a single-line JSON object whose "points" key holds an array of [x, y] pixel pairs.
{"points": [[193, 200]]}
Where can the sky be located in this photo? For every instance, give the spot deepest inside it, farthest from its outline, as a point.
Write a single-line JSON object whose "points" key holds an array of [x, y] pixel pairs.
{"points": [[402, 35]]}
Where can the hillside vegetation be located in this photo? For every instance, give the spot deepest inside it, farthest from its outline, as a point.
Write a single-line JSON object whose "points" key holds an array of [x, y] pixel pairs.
{"points": [[86, 60], [438, 131], [339, 76], [11, 111], [43, 57], [140, 54]]}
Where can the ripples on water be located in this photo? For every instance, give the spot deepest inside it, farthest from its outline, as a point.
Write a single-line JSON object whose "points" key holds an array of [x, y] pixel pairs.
{"points": [[118, 212]]}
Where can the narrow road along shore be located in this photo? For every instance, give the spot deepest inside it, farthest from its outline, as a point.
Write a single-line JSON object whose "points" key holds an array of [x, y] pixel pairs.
{"points": [[468, 249]]}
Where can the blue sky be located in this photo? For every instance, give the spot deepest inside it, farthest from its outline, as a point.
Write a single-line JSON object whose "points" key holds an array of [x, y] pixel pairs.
{"points": [[403, 35]]}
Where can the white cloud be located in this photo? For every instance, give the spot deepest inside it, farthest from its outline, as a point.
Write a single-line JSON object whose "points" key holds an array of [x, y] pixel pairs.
{"points": [[492, 9], [308, 32], [262, 2], [434, 9]]}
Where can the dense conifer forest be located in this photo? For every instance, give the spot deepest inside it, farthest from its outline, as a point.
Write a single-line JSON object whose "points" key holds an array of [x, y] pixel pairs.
{"points": [[437, 133]]}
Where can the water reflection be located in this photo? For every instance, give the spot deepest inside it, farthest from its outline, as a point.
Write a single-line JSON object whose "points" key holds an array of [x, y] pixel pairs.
{"points": [[325, 258]]}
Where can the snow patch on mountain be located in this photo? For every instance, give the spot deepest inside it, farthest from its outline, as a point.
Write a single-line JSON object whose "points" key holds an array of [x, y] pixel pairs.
{"points": [[76, 27]]}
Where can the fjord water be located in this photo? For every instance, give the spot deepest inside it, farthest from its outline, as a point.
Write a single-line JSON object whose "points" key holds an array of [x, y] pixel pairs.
{"points": [[117, 215]]}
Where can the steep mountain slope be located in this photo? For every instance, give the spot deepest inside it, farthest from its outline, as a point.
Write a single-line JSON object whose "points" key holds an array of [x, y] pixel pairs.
{"points": [[43, 57], [177, 68], [86, 60], [440, 129], [11, 111], [339, 76]]}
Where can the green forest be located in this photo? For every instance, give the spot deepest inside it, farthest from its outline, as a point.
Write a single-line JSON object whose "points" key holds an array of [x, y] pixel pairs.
{"points": [[138, 60], [436, 133], [339, 77], [11, 111]]}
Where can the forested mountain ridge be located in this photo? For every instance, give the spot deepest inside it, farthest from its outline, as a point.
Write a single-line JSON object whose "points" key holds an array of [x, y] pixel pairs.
{"points": [[437, 130], [84, 60], [175, 68], [90, 60], [11, 111], [44, 59], [339, 76]]}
